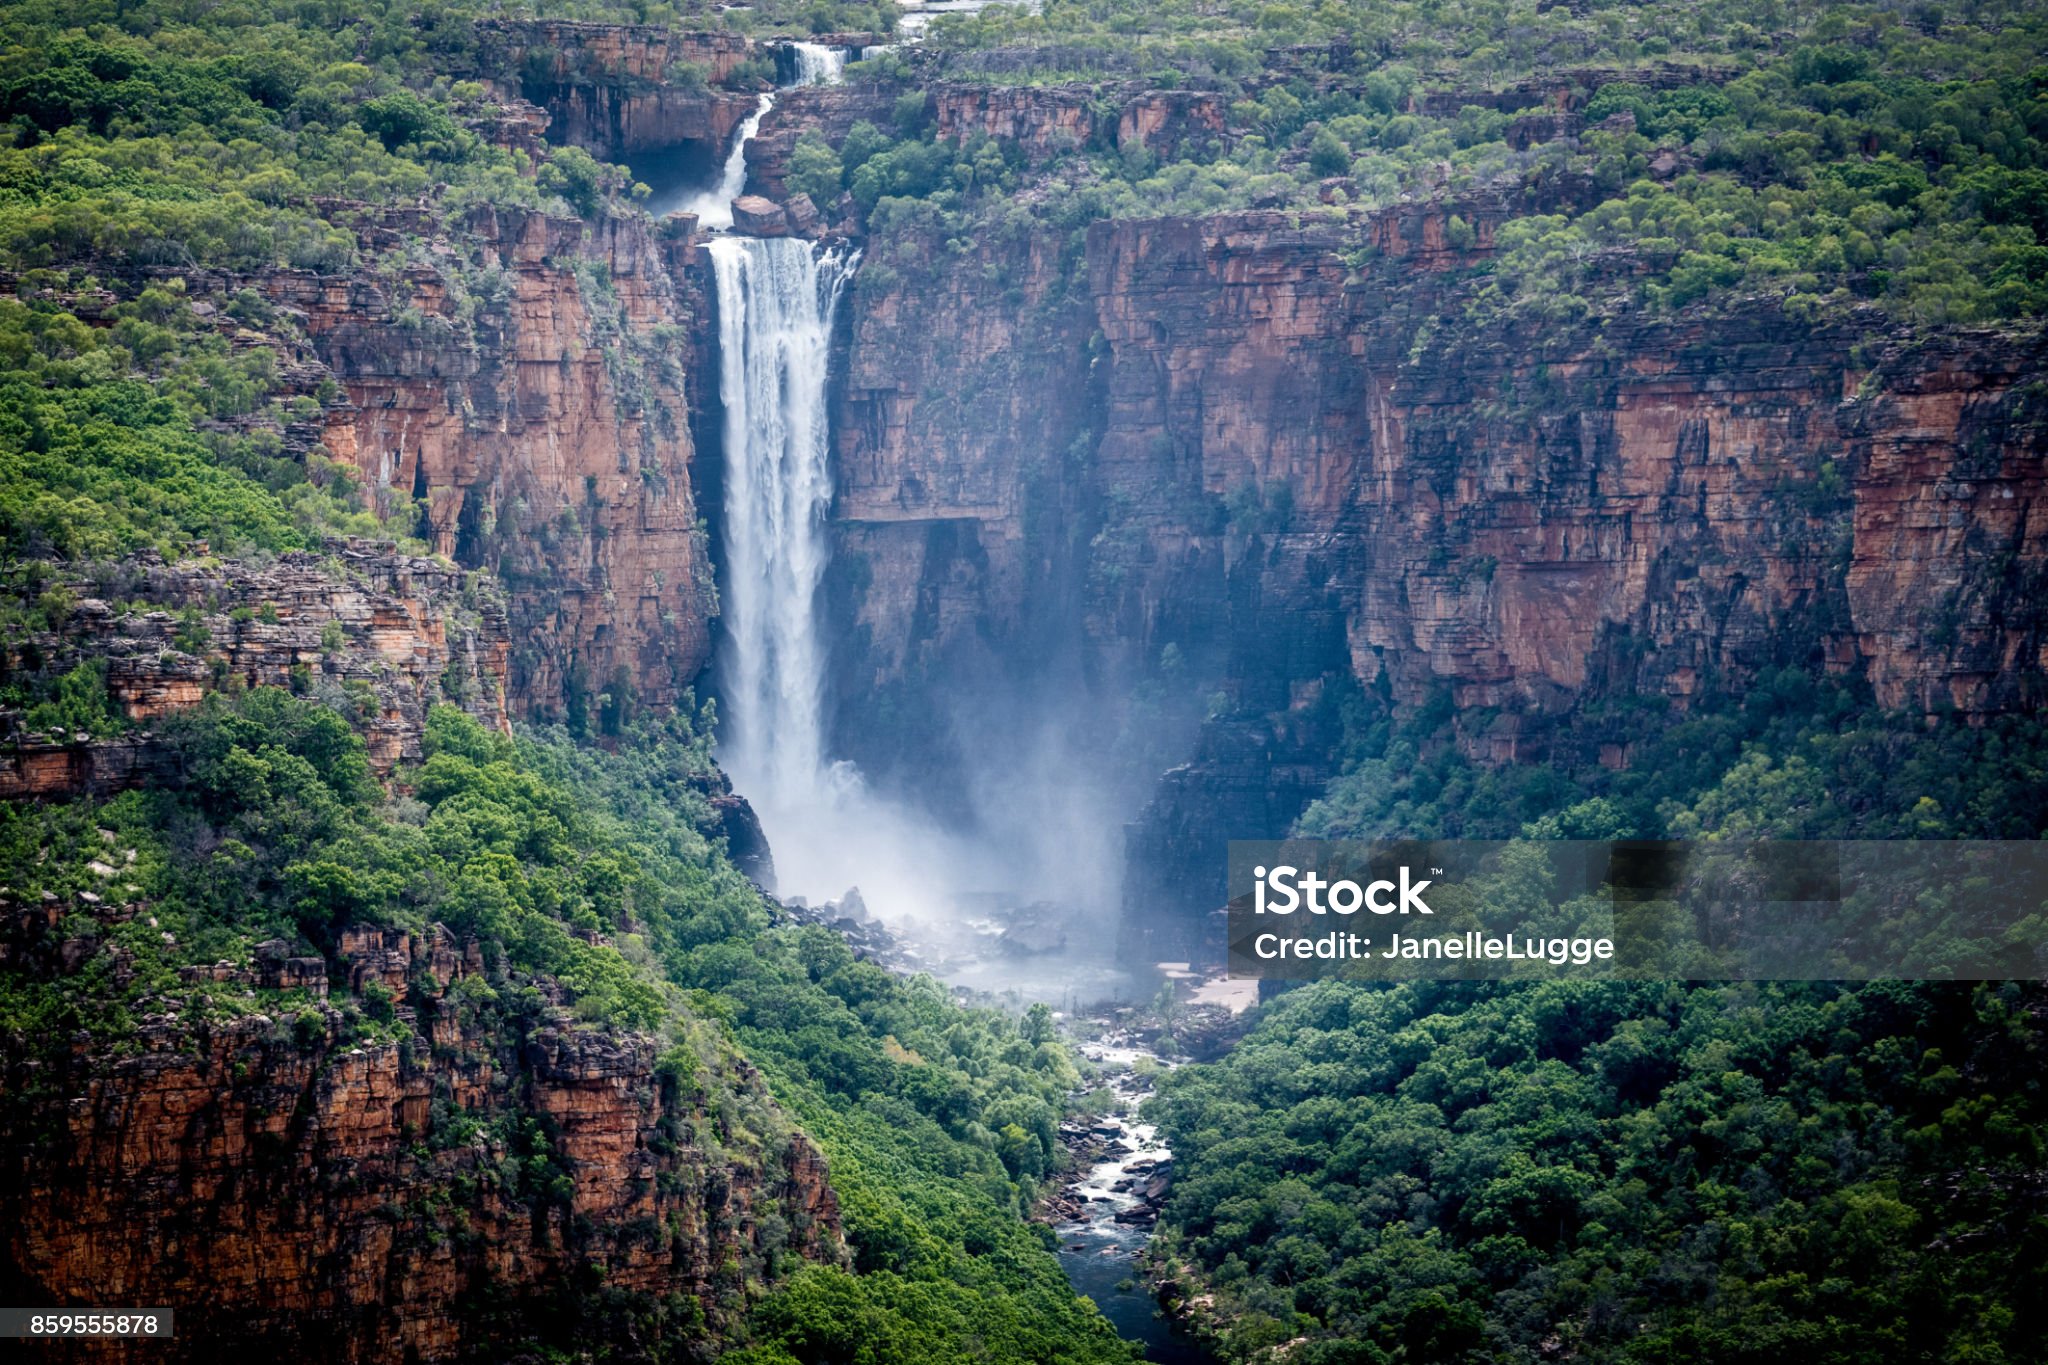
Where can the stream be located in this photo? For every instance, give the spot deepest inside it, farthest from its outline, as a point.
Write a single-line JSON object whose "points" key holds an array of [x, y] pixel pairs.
{"points": [[1103, 1214], [1115, 1196]]}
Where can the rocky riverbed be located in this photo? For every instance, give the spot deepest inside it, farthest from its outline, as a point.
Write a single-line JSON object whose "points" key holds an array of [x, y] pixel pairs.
{"points": [[1104, 1217]]}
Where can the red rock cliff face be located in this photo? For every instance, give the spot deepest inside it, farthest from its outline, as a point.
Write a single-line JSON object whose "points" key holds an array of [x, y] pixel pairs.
{"points": [[386, 1201], [568, 49], [932, 521], [1168, 123], [1525, 520], [620, 89], [1039, 119], [1529, 520], [525, 380]]}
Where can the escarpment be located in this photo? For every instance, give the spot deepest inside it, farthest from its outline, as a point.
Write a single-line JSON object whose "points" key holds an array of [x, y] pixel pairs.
{"points": [[1202, 479], [1531, 519], [368, 1157], [381, 634], [620, 89], [1281, 459], [1492, 512]]}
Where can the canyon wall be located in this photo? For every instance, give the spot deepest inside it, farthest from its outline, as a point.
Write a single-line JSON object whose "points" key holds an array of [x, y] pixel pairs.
{"points": [[620, 89], [1270, 477], [381, 634], [273, 1168], [1531, 516], [524, 379], [955, 558]]}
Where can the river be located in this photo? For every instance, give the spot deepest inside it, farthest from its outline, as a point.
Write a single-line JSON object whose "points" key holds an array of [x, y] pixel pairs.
{"points": [[1099, 1252]]}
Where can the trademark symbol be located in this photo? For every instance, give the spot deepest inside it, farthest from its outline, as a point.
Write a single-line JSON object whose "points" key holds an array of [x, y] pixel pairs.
{"points": [[1436, 872]]}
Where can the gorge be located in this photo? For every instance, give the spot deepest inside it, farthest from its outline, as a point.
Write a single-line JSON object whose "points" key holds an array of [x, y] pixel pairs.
{"points": [[510, 520]]}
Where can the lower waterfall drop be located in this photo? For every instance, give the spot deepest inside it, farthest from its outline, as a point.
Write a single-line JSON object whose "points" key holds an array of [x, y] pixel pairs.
{"points": [[1012, 887], [776, 300]]}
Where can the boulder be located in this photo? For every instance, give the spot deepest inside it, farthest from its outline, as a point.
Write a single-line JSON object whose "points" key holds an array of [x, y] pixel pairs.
{"points": [[802, 215], [758, 217]]}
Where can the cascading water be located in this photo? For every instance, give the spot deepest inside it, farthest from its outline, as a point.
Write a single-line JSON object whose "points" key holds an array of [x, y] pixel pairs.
{"points": [[817, 64], [776, 301], [776, 298], [1029, 824], [714, 206]]}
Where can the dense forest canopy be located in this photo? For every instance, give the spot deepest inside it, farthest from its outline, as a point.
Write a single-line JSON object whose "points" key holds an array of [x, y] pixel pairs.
{"points": [[1619, 1172], [1637, 1171], [1825, 157]]}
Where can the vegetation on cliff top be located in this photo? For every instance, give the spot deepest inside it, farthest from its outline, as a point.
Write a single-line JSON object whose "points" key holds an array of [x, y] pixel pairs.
{"points": [[149, 430], [1826, 154]]}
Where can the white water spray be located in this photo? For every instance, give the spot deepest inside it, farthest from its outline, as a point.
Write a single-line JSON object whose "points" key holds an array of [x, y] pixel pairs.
{"points": [[714, 206], [1040, 828], [776, 300]]}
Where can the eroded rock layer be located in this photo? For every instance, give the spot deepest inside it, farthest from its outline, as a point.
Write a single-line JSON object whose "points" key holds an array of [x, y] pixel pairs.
{"points": [[381, 634], [1257, 455], [341, 1197]]}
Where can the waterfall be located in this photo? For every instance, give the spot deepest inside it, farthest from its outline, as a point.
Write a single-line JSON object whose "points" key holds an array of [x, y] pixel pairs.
{"points": [[776, 298], [817, 64], [714, 206], [1030, 822]]}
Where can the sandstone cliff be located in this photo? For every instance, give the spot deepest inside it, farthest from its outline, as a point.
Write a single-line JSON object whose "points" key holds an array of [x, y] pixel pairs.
{"points": [[524, 379], [620, 89], [366, 1159], [1485, 512], [1268, 467]]}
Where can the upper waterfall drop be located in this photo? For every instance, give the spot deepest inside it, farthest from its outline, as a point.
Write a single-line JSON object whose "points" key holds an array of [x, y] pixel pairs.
{"points": [[776, 301], [714, 206], [817, 64]]}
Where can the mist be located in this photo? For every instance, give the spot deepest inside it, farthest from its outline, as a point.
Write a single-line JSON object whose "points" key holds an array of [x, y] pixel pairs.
{"points": [[1013, 876], [1016, 888]]}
